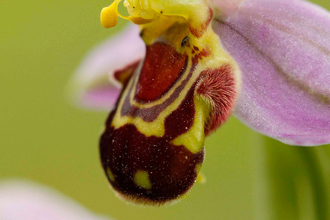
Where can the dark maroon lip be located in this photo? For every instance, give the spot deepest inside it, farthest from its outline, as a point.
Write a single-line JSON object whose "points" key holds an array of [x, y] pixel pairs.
{"points": [[172, 169]]}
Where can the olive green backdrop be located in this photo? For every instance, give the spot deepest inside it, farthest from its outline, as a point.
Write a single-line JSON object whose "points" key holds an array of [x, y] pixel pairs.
{"points": [[46, 139]]}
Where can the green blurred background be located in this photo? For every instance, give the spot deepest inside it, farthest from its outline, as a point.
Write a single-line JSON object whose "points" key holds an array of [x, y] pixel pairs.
{"points": [[46, 139]]}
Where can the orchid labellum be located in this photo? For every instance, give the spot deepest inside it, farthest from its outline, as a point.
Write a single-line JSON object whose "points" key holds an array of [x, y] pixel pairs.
{"points": [[267, 61]]}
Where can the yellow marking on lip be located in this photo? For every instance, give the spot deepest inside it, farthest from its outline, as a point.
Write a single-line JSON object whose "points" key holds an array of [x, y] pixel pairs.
{"points": [[110, 175], [166, 96], [193, 140], [156, 127], [141, 178], [195, 75], [200, 176]]}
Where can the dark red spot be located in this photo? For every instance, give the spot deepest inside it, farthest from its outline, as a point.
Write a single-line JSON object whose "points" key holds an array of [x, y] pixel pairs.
{"points": [[162, 67], [201, 55], [219, 88]]}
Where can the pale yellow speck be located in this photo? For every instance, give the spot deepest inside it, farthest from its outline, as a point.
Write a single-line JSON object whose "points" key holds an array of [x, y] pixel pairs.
{"points": [[200, 176], [110, 175]]}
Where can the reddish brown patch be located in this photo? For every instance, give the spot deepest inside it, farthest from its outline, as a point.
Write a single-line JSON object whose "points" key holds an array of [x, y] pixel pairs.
{"points": [[125, 74], [150, 114], [218, 88], [201, 55], [162, 67]]}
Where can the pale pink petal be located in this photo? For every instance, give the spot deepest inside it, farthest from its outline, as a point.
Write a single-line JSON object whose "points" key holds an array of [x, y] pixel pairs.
{"points": [[29, 201], [283, 50], [225, 8], [93, 84]]}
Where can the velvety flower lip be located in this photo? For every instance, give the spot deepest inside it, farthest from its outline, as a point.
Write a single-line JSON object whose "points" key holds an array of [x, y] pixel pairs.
{"points": [[282, 48], [25, 200]]}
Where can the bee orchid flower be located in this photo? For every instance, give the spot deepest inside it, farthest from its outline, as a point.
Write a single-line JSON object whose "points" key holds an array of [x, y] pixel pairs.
{"points": [[188, 66]]}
